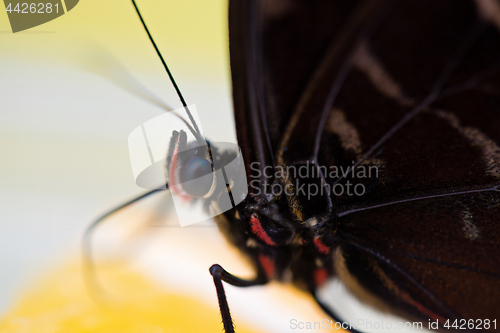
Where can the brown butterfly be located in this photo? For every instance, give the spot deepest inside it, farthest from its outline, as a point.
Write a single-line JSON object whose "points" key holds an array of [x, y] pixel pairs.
{"points": [[408, 88]]}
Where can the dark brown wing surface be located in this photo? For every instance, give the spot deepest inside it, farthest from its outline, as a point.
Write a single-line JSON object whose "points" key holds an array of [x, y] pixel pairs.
{"points": [[409, 87], [275, 47], [426, 235]]}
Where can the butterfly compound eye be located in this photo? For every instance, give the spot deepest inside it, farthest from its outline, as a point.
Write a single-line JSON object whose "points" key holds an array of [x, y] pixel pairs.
{"points": [[191, 175]]}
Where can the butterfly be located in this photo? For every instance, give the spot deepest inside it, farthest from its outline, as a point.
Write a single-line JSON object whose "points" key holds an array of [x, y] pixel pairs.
{"points": [[370, 133]]}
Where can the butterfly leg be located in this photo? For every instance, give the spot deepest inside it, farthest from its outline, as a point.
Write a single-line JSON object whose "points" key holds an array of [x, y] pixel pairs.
{"points": [[220, 274]]}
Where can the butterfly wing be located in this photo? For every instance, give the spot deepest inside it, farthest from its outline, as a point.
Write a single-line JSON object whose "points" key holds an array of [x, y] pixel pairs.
{"points": [[409, 87], [425, 236], [274, 48]]}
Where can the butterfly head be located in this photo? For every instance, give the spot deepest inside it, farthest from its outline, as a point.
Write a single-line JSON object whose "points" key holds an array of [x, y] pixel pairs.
{"points": [[198, 170], [190, 168]]}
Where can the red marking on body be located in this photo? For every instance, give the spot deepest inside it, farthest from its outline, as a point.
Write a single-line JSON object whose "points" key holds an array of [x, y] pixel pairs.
{"points": [[322, 248], [320, 276], [407, 298], [258, 231], [171, 175], [267, 264]]}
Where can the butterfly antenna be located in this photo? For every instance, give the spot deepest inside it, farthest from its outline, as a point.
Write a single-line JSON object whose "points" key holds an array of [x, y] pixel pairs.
{"points": [[89, 269], [171, 77]]}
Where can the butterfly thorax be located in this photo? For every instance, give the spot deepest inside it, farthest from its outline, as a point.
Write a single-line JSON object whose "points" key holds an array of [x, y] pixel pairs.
{"points": [[278, 243]]}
